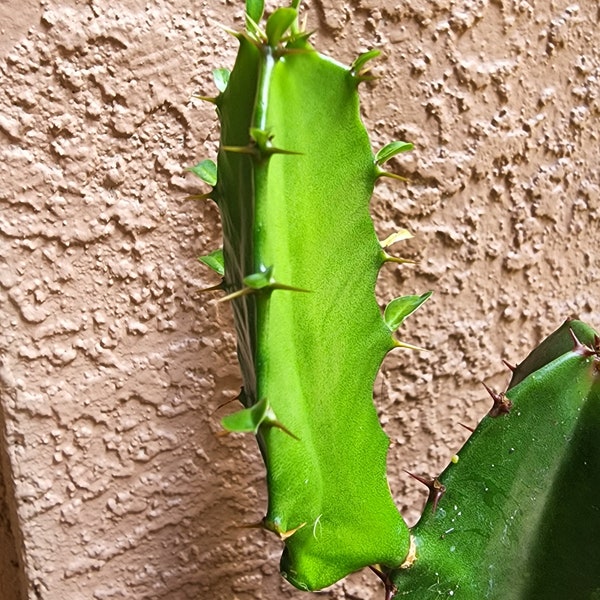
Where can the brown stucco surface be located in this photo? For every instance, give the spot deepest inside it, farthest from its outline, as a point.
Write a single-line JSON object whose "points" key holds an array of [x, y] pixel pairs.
{"points": [[113, 368]]}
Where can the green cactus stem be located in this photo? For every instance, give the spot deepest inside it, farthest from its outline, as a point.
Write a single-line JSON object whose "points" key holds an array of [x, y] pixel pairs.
{"points": [[520, 516], [300, 259]]}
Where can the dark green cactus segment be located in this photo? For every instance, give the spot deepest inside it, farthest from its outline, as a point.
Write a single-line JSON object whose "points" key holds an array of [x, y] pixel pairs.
{"points": [[295, 176], [519, 519], [557, 343]]}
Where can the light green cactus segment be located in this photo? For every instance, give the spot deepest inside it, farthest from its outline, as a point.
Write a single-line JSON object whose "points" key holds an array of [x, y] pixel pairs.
{"points": [[519, 518], [295, 176]]}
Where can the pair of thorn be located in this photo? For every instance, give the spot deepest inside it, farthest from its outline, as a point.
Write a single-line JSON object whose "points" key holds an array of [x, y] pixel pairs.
{"points": [[502, 405]]}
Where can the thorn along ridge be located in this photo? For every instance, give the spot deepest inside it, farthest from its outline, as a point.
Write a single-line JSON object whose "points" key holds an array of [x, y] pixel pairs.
{"points": [[512, 368], [433, 484], [502, 404], [582, 349]]}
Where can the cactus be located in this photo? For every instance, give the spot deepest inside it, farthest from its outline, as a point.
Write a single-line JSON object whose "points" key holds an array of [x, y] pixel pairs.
{"points": [[520, 514], [293, 180]]}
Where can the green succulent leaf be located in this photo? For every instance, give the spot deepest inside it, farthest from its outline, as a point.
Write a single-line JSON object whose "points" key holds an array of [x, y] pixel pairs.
{"points": [[255, 9], [361, 60], [260, 280], [247, 420], [205, 170], [261, 137], [221, 78], [390, 150], [278, 23], [398, 236], [215, 261], [400, 308]]}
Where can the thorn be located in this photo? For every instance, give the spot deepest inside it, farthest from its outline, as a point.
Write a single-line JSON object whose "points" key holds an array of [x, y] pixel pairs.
{"points": [[513, 368], [580, 348], [241, 396], [397, 236], [390, 588], [382, 173], [258, 525], [290, 288], [223, 404], [259, 151], [236, 34], [398, 344], [467, 427], [212, 288], [436, 489], [286, 51], [262, 144], [207, 196], [270, 150], [250, 149], [502, 404], [211, 99], [243, 292], [282, 427], [396, 259], [365, 78]]}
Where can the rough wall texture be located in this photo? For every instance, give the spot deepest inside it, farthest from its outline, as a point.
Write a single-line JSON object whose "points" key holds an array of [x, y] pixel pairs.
{"points": [[113, 368]]}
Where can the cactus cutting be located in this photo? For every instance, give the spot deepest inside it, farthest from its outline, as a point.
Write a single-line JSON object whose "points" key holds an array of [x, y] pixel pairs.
{"points": [[294, 176]]}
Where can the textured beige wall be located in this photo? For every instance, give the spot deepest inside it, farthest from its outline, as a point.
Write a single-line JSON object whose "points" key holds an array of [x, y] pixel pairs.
{"points": [[113, 369]]}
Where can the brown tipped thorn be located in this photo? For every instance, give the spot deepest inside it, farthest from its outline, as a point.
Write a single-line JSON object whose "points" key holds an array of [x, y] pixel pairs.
{"points": [[223, 404], [467, 427], [502, 404], [283, 428], [258, 525], [211, 99], [512, 368], [436, 489], [390, 588], [580, 348], [212, 288]]}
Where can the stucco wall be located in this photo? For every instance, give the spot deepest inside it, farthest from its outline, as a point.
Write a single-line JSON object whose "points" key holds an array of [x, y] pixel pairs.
{"points": [[113, 368]]}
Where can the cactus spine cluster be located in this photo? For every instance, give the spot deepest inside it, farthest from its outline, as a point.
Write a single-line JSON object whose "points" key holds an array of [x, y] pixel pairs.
{"points": [[299, 263]]}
